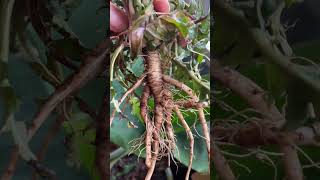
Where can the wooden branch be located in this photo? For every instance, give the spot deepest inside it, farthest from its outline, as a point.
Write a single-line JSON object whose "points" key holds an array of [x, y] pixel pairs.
{"points": [[93, 65], [51, 135], [89, 70], [129, 91], [84, 107], [249, 91], [256, 134]]}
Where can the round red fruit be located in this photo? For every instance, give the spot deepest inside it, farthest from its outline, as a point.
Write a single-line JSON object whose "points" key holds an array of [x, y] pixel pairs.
{"points": [[161, 6], [118, 19]]}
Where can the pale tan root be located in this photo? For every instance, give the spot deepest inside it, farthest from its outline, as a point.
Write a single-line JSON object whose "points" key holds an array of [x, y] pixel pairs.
{"points": [[204, 129], [144, 116], [191, 139], [199, 106]]}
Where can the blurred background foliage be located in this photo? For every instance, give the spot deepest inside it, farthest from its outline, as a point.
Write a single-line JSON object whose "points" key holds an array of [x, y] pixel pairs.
{"points": [[302, 25], [85, 21]]}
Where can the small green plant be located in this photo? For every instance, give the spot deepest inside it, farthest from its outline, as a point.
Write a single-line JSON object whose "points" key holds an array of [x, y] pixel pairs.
{"points": [[156, 95]]}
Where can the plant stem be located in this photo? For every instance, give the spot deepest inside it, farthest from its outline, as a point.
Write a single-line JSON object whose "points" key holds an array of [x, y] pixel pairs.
{"points": [[113, 60], [116, 155], [6, 7]]}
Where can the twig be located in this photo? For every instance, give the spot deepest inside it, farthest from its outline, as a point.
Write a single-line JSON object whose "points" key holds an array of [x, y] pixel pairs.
{"points": [[130, 90], [42, 170], [117, 155], [257, 134], [84, 107], [200, 19], [51, 135], [76, 81], [89, 70], [5, 19]]}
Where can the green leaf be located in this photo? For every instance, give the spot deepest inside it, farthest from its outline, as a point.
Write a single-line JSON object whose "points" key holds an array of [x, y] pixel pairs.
{"points": [[63, 25], [118, 89], [84, 150], [180, 20], [135, 102], [200, 161], [137, 66], [121, 134], [199, 58]]}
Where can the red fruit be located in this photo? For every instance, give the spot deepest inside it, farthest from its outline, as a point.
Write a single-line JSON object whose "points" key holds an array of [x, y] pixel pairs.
{"points": [[161, 6], [119, 21]]}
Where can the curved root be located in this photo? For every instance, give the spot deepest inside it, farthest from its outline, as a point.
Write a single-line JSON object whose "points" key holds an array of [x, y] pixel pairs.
{"points": [[191, 139]]}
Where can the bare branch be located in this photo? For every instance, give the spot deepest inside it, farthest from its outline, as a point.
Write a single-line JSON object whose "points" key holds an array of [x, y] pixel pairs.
{"points": [[91, 68], [256, 134], [248, 90], [129, 91]]}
